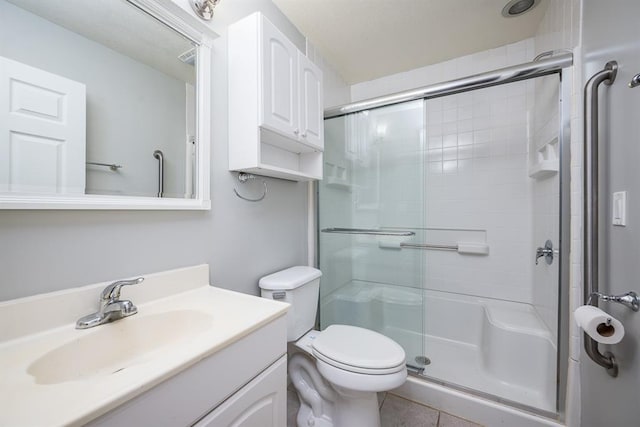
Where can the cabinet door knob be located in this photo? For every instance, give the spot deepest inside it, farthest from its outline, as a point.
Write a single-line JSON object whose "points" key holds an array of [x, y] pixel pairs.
{"points": [[295, 132]]}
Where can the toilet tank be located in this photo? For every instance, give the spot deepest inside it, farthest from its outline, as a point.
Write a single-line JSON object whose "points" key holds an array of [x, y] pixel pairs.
{"points": [[300, 287]]}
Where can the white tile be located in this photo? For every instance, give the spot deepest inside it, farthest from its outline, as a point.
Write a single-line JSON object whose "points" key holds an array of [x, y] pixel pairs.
{"points": [[450, 140]]}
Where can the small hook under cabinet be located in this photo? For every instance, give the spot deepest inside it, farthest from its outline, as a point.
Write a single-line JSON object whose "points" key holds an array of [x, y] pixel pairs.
{"points": [[244, 177]]}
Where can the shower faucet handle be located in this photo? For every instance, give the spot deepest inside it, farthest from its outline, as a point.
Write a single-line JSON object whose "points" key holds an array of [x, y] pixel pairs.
{"points": [[547, 252]]}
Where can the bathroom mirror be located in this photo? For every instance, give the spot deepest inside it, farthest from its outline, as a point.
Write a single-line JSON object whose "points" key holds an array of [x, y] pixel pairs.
{"points": [[108, 105]]}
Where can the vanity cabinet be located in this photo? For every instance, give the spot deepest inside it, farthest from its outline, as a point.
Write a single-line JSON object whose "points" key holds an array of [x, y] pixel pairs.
{"points": [[276, 123], [242, 385], [258, 404]]}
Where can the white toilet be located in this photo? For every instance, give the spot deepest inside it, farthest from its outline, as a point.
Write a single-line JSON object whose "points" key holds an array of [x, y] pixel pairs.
{"points": [[343, 367]]}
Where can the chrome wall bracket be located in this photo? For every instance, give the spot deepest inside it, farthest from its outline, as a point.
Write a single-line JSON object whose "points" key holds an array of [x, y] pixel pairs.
{"points": [[635, 81], [630, 299]]}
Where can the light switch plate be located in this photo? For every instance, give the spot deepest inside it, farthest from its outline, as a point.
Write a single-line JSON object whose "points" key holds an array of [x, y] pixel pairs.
{"points": [[619, 208]]}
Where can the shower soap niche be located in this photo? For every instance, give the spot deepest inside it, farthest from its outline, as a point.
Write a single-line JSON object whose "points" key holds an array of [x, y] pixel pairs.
{"points": [[546, 163], [336, 176]]}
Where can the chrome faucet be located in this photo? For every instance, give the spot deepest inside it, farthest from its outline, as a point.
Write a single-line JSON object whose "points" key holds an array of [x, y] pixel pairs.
{"points": [[111, 306]]}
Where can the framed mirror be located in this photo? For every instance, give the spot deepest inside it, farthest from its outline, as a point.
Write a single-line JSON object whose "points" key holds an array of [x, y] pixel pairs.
{"points": [[106, 105]]}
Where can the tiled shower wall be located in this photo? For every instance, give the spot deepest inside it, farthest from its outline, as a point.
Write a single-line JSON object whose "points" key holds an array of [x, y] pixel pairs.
{"points": [[477, 180], [475, 152]]}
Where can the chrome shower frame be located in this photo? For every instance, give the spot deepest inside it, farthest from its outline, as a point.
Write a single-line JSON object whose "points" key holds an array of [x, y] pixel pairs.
{"points": [[562, 65]]}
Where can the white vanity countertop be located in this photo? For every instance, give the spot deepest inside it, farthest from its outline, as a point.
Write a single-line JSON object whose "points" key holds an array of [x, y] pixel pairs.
{"points": [[191, 318]]}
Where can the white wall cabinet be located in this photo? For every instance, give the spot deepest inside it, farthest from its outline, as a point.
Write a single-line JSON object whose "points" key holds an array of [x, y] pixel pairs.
{"points": [[279, 108], [311, 105], [275, 104]]}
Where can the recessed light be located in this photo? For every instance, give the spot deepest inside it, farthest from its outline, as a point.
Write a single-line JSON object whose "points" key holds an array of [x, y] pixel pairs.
{"points": [[518, 7]]}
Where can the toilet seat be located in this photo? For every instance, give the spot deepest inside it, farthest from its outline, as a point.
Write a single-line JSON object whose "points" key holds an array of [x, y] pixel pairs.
{"points": [[347, 381], [358, 350]]}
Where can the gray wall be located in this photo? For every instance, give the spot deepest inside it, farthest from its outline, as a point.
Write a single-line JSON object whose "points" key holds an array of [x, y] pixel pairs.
{"points": [[50, 250], [610, 31]]}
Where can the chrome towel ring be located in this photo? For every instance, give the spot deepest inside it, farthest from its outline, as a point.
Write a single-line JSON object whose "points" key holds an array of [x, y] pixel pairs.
{"points": [[244, 177]]}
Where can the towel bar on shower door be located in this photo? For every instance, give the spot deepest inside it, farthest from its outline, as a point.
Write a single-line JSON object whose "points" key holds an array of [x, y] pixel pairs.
{"points": [[368, 231]]}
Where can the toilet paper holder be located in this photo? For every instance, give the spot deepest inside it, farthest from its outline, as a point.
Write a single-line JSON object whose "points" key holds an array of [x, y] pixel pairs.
{"points": [[607, 360], [630, 299]]}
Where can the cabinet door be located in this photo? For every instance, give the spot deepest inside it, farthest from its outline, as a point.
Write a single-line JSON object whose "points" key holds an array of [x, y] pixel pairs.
{"points": [[279, 110], [261, 403], [311, 104]]}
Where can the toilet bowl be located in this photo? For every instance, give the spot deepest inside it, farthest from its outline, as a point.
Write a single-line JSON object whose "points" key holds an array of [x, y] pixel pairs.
{"points": [[339, 371]]}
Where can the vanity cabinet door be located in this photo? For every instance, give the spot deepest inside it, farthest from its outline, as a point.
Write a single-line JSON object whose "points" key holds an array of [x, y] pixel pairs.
{"points": [[260, 403], [311, 114], [279, 82]]}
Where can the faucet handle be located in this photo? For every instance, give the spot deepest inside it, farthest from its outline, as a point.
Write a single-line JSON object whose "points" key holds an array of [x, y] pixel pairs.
{"points": [[112, 292]]}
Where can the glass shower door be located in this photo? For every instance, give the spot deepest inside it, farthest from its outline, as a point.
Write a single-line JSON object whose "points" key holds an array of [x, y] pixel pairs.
{"points": [[371, 206]]}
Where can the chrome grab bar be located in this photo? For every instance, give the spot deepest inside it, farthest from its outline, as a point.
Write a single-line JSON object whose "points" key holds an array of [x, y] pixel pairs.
{"points": [[158, 155], [112, 166], [369, 231], [429, 246], [590, 207]]}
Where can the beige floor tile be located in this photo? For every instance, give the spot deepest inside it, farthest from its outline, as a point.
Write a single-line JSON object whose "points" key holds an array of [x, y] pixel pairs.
{"points": [[381, 397], [293, 404], [447, 420], [399, 412]]}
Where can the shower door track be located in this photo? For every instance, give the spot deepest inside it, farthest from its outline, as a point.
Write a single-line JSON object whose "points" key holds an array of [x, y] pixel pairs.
{"points": [[416, 372], [500, 76]]}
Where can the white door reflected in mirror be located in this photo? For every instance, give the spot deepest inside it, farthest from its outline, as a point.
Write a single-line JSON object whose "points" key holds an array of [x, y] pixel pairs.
{"points": [[42, 143]]}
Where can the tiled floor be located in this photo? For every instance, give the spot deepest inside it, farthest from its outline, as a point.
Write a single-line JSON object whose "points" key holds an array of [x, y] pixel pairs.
{"points": [[394, 412]]}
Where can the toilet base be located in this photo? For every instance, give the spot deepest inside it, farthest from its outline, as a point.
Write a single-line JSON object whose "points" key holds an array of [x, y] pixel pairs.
{"points": [[356, 408], [326, 405]]}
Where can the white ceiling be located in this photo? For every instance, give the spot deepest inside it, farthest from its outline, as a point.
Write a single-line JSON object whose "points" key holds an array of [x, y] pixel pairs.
{"points": [[367, 39]]}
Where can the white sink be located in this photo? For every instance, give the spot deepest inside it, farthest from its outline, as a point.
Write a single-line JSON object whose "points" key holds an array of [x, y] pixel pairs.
{"points": [[113, 347], [54, 374]]}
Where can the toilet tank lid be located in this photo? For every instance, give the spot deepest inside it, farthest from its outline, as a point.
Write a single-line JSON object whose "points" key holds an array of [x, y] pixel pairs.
{"points": [[290, 278]]}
